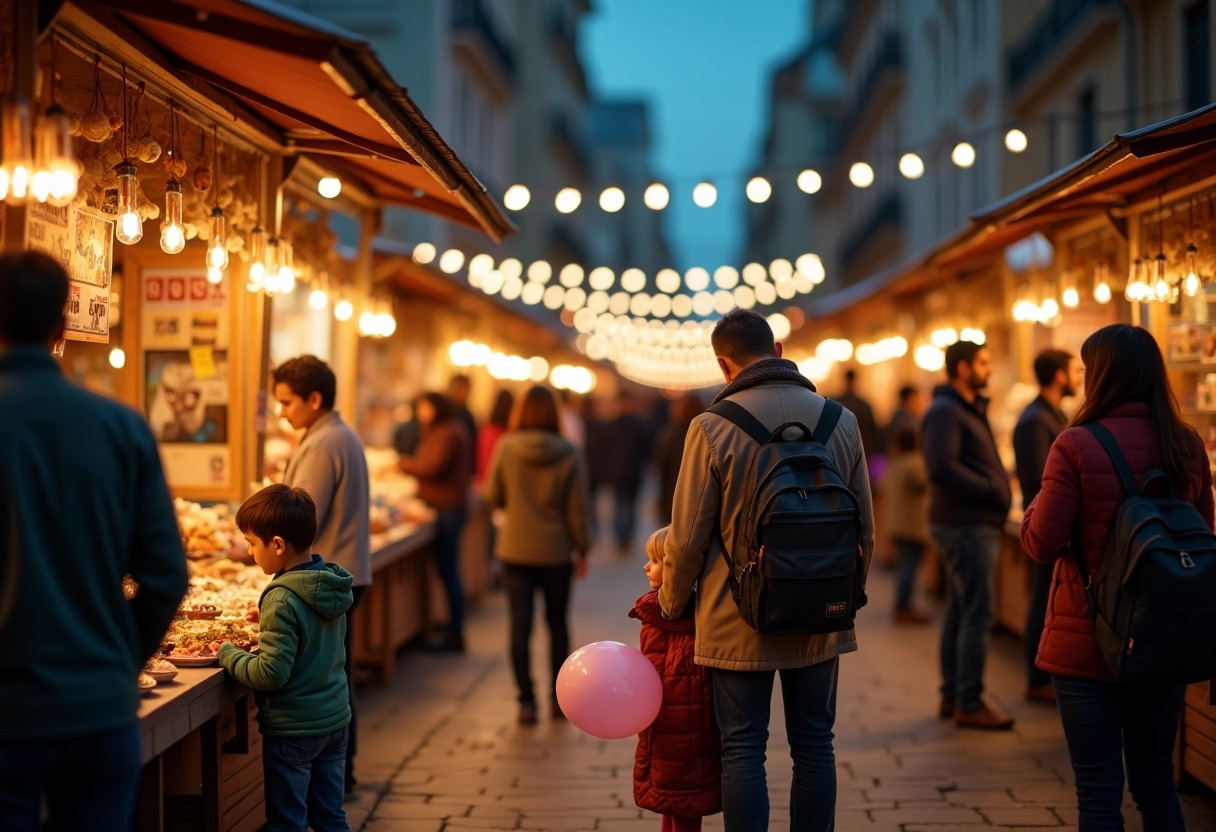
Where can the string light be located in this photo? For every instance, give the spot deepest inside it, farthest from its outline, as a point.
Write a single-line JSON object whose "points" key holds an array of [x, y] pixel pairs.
{"points": [[861, 175], [567, 200], [963, 155], [329, 187], [612, 200], [758, 189], [517, 198], [1015, 141], [704, 194], [809, 181], [656, 197], [911, 166]]}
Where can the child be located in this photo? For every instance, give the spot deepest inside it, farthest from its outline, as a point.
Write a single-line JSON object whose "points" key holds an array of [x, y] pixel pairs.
{"points": [[297, 674], [907, 497], [678, 768]]}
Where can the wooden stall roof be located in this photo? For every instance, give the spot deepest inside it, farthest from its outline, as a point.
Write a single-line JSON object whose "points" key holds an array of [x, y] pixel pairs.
{"points": [[1103, 182], [322, 88]]}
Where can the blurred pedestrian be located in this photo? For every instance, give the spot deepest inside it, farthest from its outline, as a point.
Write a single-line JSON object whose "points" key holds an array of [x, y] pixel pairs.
{"points": [[490, 434], [906, 489], [570, 415], [906, 417], [852, 401], [83, 502], [537, 478], [1108, 724], [677, 770], [443, 467], [669, 449], [459, 388], [407, 434], [969, 502], [1059, 374], [331, 466], [627, 441]]}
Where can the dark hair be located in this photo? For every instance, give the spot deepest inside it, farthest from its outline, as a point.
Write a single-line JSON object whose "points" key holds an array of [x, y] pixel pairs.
{"points": [[741, 335], [688, 407], [960, 351], [307, 374], [1123, 364], [1048, 363], [444, 409], [501, 413], [904, 440], [280, 511], [906, 392], [536, 410], [33, 293]]}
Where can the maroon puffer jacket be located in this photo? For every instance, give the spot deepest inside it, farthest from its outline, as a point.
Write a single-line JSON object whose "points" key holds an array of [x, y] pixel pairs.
{"points": [[1081, 493], [678, 767]]}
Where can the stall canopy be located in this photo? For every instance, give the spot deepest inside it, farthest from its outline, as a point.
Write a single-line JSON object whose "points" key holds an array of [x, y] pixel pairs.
{"points": [[321, 88]]}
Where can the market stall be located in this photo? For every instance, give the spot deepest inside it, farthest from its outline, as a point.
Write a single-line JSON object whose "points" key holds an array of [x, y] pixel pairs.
{"points": [[160, 151]]}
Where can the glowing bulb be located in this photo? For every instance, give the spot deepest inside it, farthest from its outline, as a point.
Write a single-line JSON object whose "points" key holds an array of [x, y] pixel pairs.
{"points": [[911, 166], [215, 276], [704, 194], [861, 175], [1015, 141], [667, 280], [1071, 298], [317, 298], [758, 189], [451, 261], [567, 200], [329, 186], [612, 200], [118, 358], [656, 197], [130, 226], [517, 198], [172, 238], [343, 310], [1192, 284], [963, 155], [424, 253], [129, 229], [217, 251], [809, 181]]}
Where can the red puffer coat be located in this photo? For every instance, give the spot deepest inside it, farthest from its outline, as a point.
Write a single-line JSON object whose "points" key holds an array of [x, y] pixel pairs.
{"points": [[1081, 493], [678, 767]]}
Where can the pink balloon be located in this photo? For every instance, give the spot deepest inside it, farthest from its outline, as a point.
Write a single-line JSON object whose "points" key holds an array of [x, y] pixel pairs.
{"points": [[609, 690]]}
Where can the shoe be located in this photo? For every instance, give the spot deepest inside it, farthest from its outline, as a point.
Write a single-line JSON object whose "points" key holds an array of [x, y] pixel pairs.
{"points": [[945, 710], [527, 714], [984, 719], [910, 616], [1043, 693]]}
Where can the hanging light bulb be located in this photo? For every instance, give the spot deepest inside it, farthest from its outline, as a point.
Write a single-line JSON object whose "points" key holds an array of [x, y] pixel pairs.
{"points": [[1069, 295], [16, 150], [257, 260], [1137, 286], [343, 309], [287, 272], [1102, 292], [1192, 283], [129, 229], [271, 261], [318, 298], [172, 233], [217, 250], [215, 276]]}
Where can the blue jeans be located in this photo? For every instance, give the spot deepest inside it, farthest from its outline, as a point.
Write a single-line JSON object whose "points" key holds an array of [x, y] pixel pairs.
{"points": [[449, 522], [305, 777], [741, 701], [908, 554], [1106, 723], [90, 781], [969, 555]]}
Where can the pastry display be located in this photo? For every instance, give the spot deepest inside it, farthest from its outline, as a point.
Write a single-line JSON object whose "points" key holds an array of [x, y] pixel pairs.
{"points": [[206, 531]]}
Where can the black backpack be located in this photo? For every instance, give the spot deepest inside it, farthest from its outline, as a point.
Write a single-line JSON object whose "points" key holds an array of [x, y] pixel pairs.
{"points": [[796, 567], [1153, 599]]}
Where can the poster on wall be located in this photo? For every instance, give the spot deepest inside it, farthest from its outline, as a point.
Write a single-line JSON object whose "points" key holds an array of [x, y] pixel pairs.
{"points": [[187, 380], [83, 243]]}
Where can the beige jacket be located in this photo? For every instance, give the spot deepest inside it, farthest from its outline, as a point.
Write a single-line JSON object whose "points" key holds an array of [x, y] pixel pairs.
{"points": [[905, 488], [716, 455]]}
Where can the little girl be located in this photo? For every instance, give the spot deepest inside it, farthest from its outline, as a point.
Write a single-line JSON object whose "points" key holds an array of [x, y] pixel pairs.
{"points": [[678, 768]]}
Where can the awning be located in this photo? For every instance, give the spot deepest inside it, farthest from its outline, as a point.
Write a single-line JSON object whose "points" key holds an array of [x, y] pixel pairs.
{"points": [[322, 88]]}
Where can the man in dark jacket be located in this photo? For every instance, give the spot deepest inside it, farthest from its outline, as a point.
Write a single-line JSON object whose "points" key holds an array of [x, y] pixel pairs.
{"points": [[83, 503], [969, 502], [852, 401], [1059, 374], [629, 437]]}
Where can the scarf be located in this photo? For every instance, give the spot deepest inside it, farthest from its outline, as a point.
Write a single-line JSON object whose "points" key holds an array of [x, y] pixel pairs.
{"points": [[765, 371]]}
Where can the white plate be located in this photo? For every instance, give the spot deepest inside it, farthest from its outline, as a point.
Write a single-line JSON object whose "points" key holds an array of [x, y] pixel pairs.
{"points": [[162, 676], [193, 661]]}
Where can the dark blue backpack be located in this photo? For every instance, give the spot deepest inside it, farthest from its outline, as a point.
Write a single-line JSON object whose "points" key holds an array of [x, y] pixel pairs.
{"points": [[1153, 599]]}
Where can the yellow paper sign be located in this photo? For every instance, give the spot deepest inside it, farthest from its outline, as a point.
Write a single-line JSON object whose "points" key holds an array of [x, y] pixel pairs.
{"points": [[203, 361]]}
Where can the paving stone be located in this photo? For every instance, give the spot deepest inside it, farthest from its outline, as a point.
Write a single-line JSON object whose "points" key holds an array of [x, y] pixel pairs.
{"points": [[945, 814], [1023, 816]]}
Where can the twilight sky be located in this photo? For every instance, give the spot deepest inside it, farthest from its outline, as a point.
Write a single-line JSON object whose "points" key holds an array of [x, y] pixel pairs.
{"points": [[704, 65]]}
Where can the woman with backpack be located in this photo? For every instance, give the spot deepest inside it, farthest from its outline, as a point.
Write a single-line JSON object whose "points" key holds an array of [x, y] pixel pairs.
{"points": [[1107, 721]]}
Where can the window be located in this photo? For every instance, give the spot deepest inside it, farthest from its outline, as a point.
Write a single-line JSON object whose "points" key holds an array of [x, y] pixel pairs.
{"points": [[1196, 26], [1087, 122]]}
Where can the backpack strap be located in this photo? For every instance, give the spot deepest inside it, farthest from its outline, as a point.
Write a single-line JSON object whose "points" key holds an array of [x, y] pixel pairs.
{"points": [[827, 420], [740, 417], [1108, 442]]}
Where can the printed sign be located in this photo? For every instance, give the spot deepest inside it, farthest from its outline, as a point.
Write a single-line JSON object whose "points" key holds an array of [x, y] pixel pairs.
{"points": [[83, 243]]}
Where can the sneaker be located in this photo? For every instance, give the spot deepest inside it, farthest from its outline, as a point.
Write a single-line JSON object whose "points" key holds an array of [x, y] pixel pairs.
{"points": [[1044, 693], [983, 718], [910, 616], [945, 709], [527, 714]]}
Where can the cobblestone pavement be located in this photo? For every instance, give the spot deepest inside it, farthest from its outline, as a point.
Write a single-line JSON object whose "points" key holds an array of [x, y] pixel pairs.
{"points": [[440, 750]]}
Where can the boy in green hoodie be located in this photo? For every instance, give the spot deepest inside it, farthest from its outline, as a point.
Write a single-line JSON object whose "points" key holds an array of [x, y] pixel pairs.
{"points": [[298, 672]]}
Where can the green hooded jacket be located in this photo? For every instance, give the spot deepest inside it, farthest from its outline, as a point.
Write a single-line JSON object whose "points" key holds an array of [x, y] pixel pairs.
{"points": [[298, 675]]}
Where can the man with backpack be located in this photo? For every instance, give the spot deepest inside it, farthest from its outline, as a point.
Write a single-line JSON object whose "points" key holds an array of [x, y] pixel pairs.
{"points": [[760, 478], [969, 501]]}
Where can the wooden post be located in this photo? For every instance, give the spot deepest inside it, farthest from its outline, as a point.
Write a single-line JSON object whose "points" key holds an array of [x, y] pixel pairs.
{"points": [[346, 333]]}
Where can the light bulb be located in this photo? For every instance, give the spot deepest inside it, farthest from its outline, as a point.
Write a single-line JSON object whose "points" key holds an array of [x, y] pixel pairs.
{"points": [[215, 276], [16, 151], [1015, 141], [567, 200], [343, 309], [911, 166], [329, 186], [963, 155], [317, 299], [287, 272], [1192, 284], [257, 276], [55, 166], [172, 234], [1071, 298], [217, 250], [257, 259], [130, 226]]}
